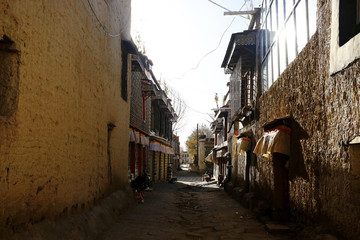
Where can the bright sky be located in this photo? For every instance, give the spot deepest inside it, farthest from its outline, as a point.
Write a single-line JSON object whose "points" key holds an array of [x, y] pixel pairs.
{"points": [[177, 34]]}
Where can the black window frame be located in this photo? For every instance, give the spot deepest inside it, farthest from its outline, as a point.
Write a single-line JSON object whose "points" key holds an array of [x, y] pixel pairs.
{"points": [[349, 23]]}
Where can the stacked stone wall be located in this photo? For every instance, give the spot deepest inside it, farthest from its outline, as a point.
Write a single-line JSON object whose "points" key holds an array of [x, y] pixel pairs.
{"points": [[325, 116], [297, 94]]}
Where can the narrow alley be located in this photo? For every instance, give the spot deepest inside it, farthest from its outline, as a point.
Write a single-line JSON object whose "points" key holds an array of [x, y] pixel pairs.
{"points": [[188, 209], [100, 97]]}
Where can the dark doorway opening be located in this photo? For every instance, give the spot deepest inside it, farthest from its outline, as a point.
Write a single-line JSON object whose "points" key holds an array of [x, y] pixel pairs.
{"points": [[281, 206]]}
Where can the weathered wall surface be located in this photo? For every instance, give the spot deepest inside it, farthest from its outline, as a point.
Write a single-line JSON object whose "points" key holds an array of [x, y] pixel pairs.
{"points": [[54, 147], [205, 147], [136, 106], [325, 113]]}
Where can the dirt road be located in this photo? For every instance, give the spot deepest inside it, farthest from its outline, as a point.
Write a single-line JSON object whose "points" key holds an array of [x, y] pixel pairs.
{"points": [[188, 209]]}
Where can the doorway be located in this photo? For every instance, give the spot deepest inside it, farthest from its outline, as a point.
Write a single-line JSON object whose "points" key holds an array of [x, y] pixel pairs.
{"points": [[281, 194]]}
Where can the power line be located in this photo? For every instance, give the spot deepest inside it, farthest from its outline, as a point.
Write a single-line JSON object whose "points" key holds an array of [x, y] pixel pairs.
{"points": [[222, 36], [227, 8], [219, 5], [103, 26], [207, 54]]}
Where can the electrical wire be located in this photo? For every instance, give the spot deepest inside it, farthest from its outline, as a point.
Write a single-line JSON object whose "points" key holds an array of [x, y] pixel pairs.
{"points": [[172, 95], [103, 26], [222, 36], [219, 5], [227, 8], [207, 54]]}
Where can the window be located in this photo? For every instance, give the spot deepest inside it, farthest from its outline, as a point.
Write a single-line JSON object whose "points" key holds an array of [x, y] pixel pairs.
{"points": [[312, 16], [275, 61], [281, 12], [287, 25], [264, 75], [290, 39], [345, 39], [301, 26], [282, 50], [348, 20]]}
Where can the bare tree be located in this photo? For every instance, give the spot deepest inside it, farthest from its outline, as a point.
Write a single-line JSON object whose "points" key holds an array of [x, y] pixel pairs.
{"points": [[179, 106], [140, 43]]}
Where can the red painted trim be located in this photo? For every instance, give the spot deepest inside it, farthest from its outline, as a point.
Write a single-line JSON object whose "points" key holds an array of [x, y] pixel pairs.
{"points": [[144, 158], [143, 107], [139, 159], [132, 157]]}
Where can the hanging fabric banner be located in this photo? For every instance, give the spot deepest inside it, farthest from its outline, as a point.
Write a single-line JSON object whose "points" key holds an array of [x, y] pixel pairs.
{"points": [[243, 144], [274, 140], [131, 136]]}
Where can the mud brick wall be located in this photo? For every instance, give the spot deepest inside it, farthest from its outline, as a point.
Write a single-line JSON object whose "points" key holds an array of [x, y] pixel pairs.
{"points": [[325, 113], [54, 139]]}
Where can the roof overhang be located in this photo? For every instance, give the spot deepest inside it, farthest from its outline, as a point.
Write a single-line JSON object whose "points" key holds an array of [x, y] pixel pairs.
{"points": [[242, 45], [223, 112], [130, 46]]}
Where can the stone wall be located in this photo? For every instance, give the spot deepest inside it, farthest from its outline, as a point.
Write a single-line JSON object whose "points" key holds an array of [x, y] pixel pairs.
{"points": [[325, 116], [57, 154]]}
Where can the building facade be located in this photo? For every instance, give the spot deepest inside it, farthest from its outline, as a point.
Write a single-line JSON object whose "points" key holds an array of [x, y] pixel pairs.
{"points": [[64, 107], [150, 137], [302, 121], [220, 151], [205, 147], [175, 162], [184, 157]]}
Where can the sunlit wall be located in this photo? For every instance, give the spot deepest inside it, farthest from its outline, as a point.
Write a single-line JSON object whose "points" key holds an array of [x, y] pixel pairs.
{"points": [[286, 27]]}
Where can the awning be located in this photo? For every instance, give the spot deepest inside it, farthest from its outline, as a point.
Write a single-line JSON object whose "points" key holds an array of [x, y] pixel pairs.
{"points": [[210, 157], [222, 154], [158, 147], [130, 46], [242, 44], [219, 154], [221, 146], [243, 144], [138, 138], [356, 140], [132, 137], [274, 140], [144, 140]]}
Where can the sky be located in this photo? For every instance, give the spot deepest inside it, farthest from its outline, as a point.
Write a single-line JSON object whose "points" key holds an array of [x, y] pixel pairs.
{"points": [[187, 41]]}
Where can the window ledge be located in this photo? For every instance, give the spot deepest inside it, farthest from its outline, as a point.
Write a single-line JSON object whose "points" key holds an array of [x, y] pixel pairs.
{"points": [[341, 57]]}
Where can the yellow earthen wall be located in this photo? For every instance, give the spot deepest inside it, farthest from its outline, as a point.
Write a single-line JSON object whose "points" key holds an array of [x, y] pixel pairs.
{"points": [[53, 149]]}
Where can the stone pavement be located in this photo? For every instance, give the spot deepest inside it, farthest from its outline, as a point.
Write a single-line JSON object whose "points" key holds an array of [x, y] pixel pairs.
{"points": [[187, 209]]}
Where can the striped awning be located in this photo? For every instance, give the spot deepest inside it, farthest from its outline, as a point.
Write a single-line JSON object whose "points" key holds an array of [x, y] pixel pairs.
{"points": [[159, 147], [138, 137]]}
